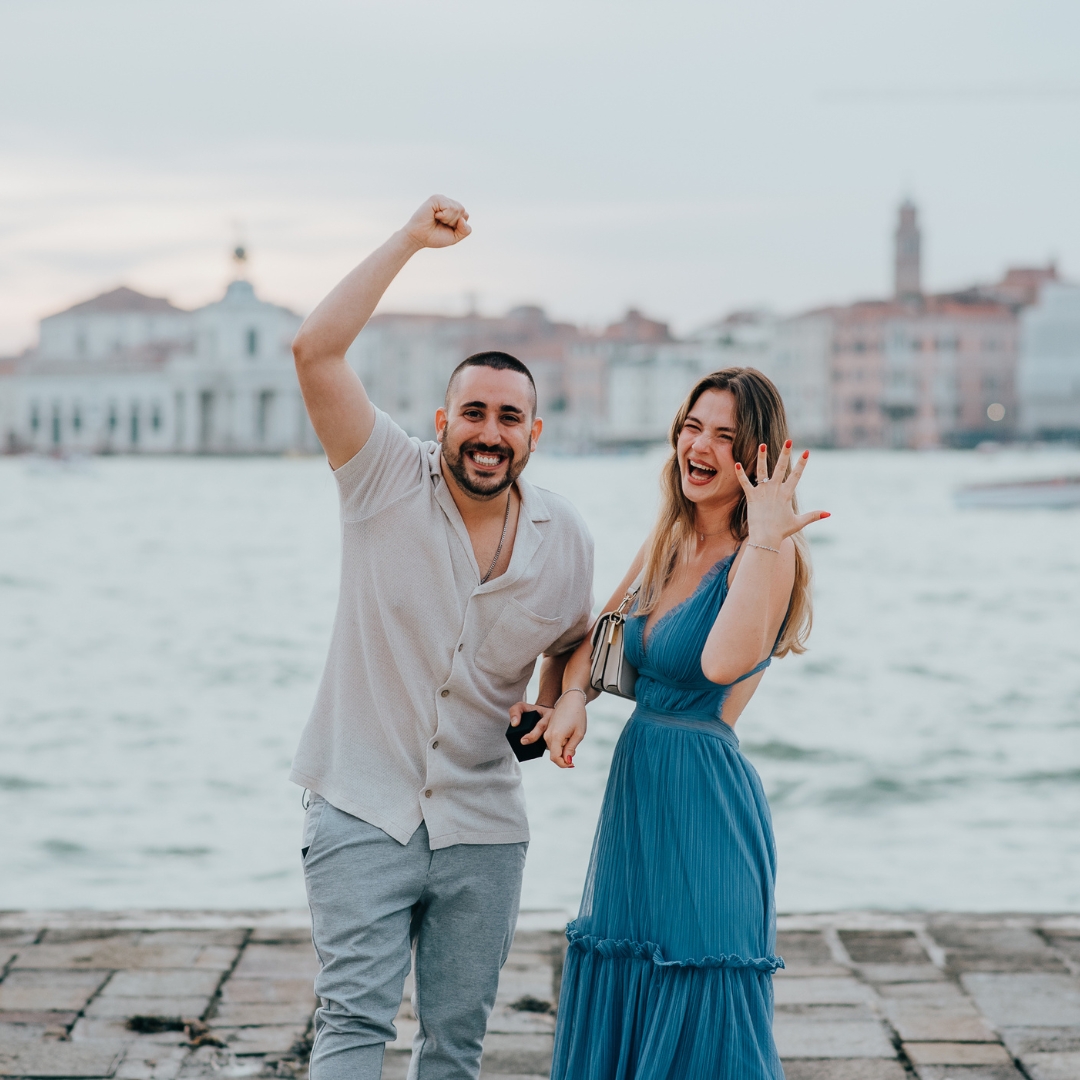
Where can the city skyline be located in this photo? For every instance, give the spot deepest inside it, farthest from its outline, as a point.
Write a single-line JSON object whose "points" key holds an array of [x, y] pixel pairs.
{"points": [[688, 161]]}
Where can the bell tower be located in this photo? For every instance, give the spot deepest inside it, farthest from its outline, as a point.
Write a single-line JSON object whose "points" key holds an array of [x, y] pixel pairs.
{"points": [[908, 266]]}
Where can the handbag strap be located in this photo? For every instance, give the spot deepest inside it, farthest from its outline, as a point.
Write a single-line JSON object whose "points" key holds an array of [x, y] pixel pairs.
{"points": [[635, 588]]}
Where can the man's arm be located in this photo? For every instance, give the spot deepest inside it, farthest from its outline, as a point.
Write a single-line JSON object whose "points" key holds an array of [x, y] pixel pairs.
{"points": [[340, 410]]}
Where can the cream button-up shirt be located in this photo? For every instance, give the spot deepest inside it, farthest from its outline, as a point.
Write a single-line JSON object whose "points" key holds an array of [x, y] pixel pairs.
{"points": [[425, 662]]}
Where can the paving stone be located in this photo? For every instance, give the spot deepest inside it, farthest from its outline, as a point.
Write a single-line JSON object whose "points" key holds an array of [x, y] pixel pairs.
{"points": [[49, 1018], [59, 935], [933, 1011], [152, 1062], [167, 982], [276, 1039], [526, 976], [269, 991], [900, 973], [957, 1053], [119, 955], [60, 1059], [231, 938], [971, 946], [801, 1037], [822, 990], [91, 1028], [923, 1024], [1026, 1000], [188, 1007], [1041, 1040], [209, 1061], [516, 1054], [1052, 1066], [828, 1012], [277, 962], [396, 1065], [511, 1021], [407, 1028], [12, 937], [235, 1014], [22, 1032], [284, 935], [883, 947], [968, 1072], [806, 953], [850, 1069], [51, 990]]}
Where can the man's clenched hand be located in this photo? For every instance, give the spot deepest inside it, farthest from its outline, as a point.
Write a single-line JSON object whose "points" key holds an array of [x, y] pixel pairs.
{"points": [[440, 222]]}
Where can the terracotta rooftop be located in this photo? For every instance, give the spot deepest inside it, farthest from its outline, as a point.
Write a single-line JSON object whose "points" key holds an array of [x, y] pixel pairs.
{"points": [[124, 300]]}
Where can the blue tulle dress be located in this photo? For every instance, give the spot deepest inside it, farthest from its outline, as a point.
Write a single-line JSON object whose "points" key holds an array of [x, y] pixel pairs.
{"points": [[668, 975]]}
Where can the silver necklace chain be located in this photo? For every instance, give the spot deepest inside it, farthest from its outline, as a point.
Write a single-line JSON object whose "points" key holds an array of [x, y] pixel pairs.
{"points": [[502, 540]]}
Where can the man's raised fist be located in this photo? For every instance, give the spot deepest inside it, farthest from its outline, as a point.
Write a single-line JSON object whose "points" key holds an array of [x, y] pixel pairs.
{"points": [[440, 222]]}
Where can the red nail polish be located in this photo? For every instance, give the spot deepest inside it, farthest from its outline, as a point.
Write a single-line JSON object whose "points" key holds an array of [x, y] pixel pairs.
{"points": [[805, 454], [787, 445], [738, 466], [762, 448], [824, 514]]}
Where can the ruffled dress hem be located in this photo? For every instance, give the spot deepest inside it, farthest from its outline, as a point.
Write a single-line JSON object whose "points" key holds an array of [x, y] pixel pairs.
{"points": [[612, 948]]}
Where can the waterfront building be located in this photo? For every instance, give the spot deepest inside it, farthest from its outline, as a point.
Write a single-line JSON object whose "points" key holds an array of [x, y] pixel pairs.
{"points": [[129, 373], [1049, 371], [924, 370], [405, 360]]}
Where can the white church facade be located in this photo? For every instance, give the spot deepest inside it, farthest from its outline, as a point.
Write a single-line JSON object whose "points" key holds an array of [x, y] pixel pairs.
{"points": [[128, 373]]}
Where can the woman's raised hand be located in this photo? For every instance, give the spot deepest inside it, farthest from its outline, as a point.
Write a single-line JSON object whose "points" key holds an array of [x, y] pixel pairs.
{"points": [[770, 513]]}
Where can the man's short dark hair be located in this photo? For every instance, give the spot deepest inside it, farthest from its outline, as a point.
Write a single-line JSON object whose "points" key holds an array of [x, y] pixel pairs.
{"points": [[500, 361]]}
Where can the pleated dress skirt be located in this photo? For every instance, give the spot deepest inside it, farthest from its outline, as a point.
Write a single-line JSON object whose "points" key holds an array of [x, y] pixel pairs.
{"points": [[668, 974]]}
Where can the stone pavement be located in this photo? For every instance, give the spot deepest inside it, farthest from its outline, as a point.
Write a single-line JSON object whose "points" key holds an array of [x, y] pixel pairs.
{"points": [[177, 995]]}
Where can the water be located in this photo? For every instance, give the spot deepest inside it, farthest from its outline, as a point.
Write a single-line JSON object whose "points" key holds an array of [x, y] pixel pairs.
{"points": [[163, 624]]}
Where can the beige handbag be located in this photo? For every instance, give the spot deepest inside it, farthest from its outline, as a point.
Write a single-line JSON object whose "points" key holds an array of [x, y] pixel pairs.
{"points": [[611, 672]]}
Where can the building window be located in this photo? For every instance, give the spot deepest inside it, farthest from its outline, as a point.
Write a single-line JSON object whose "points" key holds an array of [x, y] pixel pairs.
{"points": [[76, 420], [263, 411], [155, 417], [134, 424], [35, 418], [56, 425], [113, 420], [252, 342]]}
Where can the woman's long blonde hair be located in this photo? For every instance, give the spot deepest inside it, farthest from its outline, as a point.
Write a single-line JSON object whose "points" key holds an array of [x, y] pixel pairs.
{"points": [[759, 418]]}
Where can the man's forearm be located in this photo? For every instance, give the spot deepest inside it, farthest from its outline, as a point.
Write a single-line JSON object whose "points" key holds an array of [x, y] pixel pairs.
{"points": [[332, 327], [551, 675]]}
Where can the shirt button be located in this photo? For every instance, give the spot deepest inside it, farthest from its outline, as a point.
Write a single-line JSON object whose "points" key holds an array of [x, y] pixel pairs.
{"points": [[461, 646], [427, 794], [435, 745], [445, 693]]}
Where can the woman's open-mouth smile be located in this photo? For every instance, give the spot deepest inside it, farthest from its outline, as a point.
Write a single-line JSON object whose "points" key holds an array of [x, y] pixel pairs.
{"points": [[698, 473]]}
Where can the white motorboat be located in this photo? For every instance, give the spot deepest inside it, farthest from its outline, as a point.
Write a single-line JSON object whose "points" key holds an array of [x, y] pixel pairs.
{"points": [[1059, 493]]}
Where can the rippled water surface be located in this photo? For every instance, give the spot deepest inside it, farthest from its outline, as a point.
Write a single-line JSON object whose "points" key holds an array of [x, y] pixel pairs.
{"points": [[163, 624]]}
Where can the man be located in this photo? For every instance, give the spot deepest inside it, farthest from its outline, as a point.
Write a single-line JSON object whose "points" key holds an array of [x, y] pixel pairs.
{"points": [[456, 575]]}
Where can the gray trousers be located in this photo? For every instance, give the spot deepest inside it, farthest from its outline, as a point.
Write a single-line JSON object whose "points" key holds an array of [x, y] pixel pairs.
{"points": [[373, 902]]}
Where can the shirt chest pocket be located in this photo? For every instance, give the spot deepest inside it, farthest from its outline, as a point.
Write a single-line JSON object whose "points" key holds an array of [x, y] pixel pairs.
{"points": [[514, 642]]}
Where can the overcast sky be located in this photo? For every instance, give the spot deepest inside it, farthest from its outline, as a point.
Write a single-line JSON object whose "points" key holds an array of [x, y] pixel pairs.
{"points": [[684, 157]]}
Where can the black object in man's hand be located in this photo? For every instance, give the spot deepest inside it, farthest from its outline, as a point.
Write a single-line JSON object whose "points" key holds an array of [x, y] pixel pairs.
{"points": [[529, 720]]}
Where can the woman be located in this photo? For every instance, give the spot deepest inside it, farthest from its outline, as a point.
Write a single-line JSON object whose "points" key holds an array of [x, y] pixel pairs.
{"points": [[669, 970]]}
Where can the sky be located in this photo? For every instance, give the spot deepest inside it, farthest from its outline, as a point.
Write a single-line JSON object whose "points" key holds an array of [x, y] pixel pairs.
{"points": [[685, 158]]}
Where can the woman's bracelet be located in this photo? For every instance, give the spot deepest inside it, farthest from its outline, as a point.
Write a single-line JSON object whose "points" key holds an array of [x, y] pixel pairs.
{"points": [[763, 547], [573, 690]]}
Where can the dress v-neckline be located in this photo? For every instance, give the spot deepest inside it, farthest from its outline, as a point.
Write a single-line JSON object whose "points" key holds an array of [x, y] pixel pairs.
{"points": [[707, 576]]}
